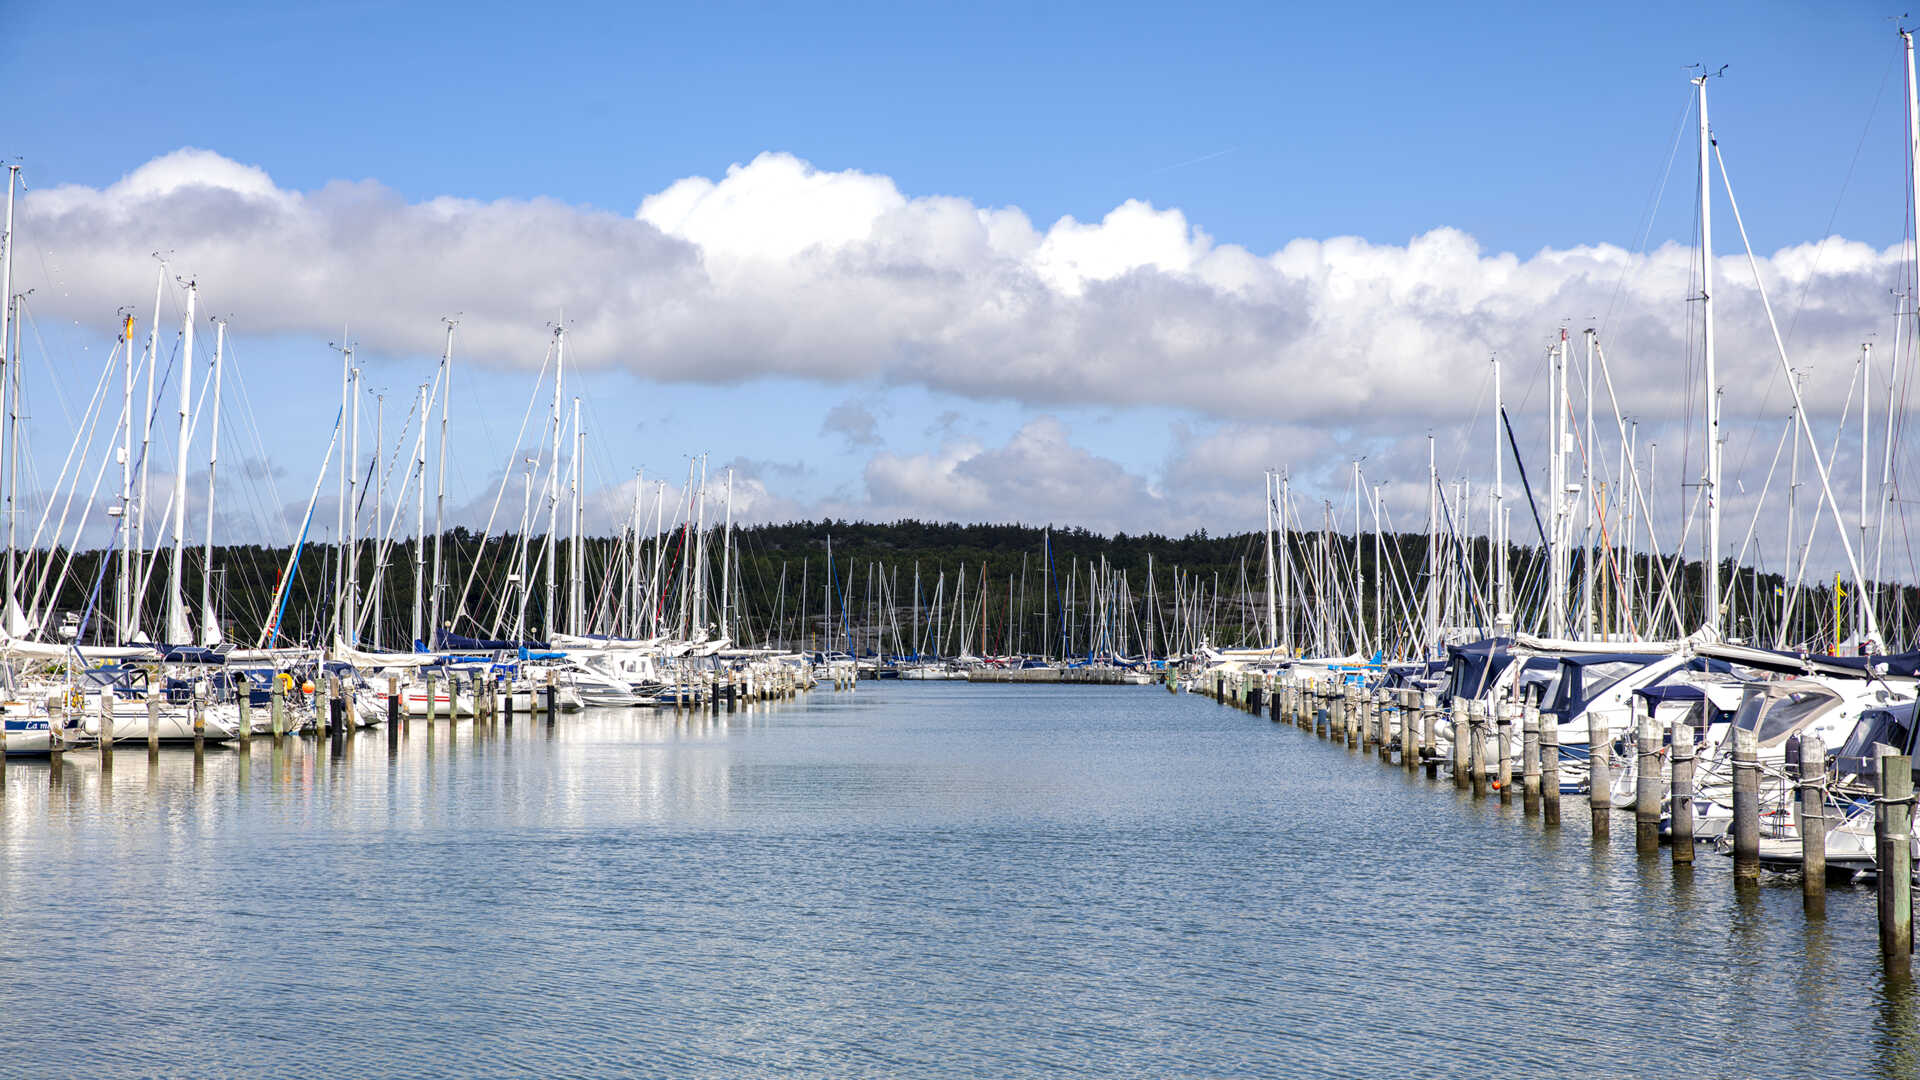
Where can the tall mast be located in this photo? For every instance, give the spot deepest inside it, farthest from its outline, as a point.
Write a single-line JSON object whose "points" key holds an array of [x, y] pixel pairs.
{"points": [[1866, 430], [351, 626], [123, 595], [1285, 555], [420, 586], [526, 526], [633, 560], [576, 558], [700, 564], [1273, 616], [178, 632], [1588, 444], [13, 436], [726, 561], [210, 626], [378, 594], [340, 512], [9, 440], [1433, 541], [1893, 375], [1791, 602], [146, 439], [553, 477], [440, 486], [1379, 577], [1557, 461], [1712, 561], [1359, 621], [1496, 536]]}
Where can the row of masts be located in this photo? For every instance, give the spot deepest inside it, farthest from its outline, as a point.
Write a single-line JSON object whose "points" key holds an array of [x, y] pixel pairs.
{"points": [[1609, 573]]}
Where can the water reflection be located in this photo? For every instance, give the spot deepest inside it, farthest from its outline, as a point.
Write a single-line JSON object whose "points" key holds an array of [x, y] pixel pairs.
{"points": [[927, 880]]}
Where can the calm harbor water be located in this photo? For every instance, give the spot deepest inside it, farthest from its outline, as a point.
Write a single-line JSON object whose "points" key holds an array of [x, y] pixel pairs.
{"points": [[908, 880]]}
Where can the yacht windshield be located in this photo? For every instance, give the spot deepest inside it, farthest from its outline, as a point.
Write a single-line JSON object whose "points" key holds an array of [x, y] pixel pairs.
{"points": [[1596, 678], [1784, 713]]}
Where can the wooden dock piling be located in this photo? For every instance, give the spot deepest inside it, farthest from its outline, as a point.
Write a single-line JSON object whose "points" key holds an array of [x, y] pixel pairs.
{"points": [[106, 729], [1599, 776], [1477, 747], [1646, 786], [1503, 746], [1746, 803], [1410, 713], [1462, 739], [1429, 722], [1383, 723], [243, 703], [1680, 808], [1813, 825], [1893, 855], [1549, 771], [1530, 753]]}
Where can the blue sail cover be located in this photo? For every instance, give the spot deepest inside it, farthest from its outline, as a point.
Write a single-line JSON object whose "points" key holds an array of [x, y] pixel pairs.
{"points": [[446, 641], [189, 654], [1475, 665]]}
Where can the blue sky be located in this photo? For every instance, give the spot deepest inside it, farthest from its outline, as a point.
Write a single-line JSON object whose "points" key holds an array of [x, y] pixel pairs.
{"points": [[1380, 120], [1524, 127]]}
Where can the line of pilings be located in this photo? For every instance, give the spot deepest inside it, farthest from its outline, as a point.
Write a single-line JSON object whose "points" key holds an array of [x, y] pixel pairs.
{"points": [[1404, 728], [334, 709]]}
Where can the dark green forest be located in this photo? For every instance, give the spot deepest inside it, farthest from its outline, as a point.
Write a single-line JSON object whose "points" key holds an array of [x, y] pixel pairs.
{"points": [[1201, 585]]}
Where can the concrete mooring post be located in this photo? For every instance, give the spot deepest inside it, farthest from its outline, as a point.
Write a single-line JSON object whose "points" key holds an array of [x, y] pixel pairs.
{"points": [[1646, 786], [153, 723], [1680, 809], [1813, 824], [277, 707], [1893, 855]]}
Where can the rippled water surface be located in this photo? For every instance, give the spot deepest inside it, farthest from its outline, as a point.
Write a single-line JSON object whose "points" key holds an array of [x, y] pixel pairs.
{"points": [[907, 880]]}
